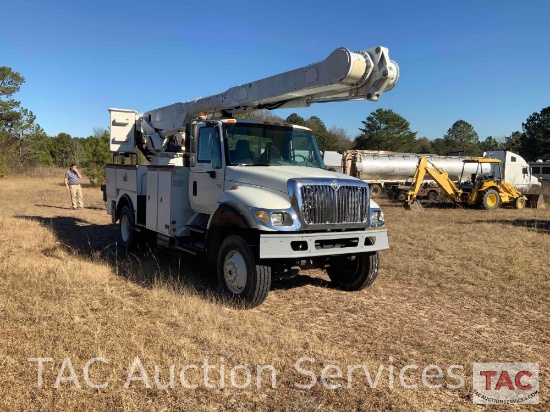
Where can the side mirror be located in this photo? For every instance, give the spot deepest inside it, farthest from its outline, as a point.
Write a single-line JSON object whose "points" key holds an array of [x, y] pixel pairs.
{"points": [[215, 155], [193, 145], [216, 149]]}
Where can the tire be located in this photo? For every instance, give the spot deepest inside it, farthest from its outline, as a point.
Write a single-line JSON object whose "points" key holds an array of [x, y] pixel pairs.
{"points": [[375, 190], [240, 278], [127, 228], [432, 196], [520, 203], [490, 199], [354, 272], [401, 196]]}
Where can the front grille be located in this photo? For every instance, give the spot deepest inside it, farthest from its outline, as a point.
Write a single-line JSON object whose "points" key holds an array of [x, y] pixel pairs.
{"points": [[321, 204]]}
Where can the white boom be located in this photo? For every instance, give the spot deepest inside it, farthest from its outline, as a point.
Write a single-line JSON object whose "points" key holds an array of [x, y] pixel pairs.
{"points": [[342, 76]]}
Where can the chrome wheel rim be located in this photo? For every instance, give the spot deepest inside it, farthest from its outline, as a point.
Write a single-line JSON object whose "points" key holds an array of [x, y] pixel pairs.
{"points": [[234, 272]]}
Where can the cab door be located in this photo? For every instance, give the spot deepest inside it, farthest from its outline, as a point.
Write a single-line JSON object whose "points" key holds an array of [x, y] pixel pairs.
{"points": [[206, 162]]}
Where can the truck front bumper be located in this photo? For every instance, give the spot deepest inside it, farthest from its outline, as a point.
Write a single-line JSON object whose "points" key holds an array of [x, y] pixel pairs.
{"points": [[309, 245]]}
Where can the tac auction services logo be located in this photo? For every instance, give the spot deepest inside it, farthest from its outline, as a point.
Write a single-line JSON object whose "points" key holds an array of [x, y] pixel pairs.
{"points": [[506, 383]]}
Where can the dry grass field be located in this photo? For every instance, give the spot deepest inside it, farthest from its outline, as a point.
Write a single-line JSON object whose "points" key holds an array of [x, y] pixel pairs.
{"points": [[456, 287]]}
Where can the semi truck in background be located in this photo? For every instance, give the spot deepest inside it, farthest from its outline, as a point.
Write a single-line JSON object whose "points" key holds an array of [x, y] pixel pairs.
{"points": [[384, 170], [515, 170], [253, 198]]}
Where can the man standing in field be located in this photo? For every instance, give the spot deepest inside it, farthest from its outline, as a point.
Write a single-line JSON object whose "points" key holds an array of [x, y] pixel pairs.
{"points": [[72, 181]]}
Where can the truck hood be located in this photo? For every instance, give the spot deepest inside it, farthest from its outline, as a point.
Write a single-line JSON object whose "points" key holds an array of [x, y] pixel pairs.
{"points": [[275, 177]]}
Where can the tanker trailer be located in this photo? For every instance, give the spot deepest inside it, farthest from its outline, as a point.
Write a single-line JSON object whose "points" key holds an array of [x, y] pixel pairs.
{"points": [[384, 170]]}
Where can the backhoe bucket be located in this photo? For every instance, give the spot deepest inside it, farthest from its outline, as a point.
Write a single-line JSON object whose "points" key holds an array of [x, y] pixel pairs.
{"points": [[535, 200], [414, 206]]}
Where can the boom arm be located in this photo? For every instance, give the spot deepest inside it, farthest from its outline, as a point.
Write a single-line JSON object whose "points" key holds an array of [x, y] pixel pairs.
{"points": [[342, 76]]}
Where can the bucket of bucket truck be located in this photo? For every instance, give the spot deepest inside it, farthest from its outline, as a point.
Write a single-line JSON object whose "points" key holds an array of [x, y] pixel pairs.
{"points": [[535, 200], [413, 205]]}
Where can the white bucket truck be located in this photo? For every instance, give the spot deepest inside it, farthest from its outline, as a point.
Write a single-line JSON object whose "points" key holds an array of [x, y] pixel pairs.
{"points": [[252, 197]]}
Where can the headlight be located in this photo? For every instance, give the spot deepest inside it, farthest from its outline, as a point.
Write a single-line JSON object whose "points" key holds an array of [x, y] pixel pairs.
{"points": [[377, 217], [281, 219], [276, 219]]}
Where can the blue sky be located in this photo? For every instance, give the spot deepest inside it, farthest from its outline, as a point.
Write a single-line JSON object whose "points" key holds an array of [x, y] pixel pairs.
{"points": [[486, 62]]}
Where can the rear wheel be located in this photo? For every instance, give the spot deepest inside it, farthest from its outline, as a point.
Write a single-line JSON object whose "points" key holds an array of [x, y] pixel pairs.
{"points": [[432, 196], [127, 228], [240, 278], [354, 272], [490, 199], [520, 203], [375, 190]]}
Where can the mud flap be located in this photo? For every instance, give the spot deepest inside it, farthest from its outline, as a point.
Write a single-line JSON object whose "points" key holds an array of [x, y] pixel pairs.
{"points": [[535, 200], [414, 206]]}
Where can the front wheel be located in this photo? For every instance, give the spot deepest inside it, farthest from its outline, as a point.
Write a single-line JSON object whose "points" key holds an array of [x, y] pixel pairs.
{"points": [[354, 272], [240, 278], [520, 203]]}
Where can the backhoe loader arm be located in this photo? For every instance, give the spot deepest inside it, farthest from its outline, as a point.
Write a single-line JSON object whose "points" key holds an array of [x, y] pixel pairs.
{"points": [[417, 179], [437, 174]]}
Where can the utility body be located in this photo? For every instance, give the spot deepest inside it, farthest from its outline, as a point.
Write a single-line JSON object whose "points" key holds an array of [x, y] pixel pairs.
{"points": [[251, 197]]}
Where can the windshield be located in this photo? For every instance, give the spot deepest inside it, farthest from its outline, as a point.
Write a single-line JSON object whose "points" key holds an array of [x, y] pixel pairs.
{"points": [[270, 145]]}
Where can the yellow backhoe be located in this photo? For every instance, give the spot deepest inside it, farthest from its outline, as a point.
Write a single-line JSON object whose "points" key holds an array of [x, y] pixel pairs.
{"points": [[485, 188]]}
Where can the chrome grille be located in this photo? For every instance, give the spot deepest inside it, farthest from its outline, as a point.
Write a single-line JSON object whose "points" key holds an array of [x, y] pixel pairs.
{"points": [[321, 204]]}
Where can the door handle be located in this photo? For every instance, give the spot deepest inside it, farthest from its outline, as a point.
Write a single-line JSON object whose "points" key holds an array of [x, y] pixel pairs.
{"points": [[212, 174]]}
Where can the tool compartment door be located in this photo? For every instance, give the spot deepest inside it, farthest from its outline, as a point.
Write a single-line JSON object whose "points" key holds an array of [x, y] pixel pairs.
{"points": [[152, 191], [163, 205]]}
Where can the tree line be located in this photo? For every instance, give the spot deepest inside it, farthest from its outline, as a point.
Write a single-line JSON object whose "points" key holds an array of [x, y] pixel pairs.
{"points": [[25, 144], [386, 130]]}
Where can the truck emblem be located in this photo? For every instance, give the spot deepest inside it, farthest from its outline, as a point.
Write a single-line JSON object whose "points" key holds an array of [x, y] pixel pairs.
{"points": [[335, 185]]}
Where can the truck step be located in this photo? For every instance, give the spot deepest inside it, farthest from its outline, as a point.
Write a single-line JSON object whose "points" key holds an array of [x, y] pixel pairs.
{"points": [[196, 228], [190, 249]]}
